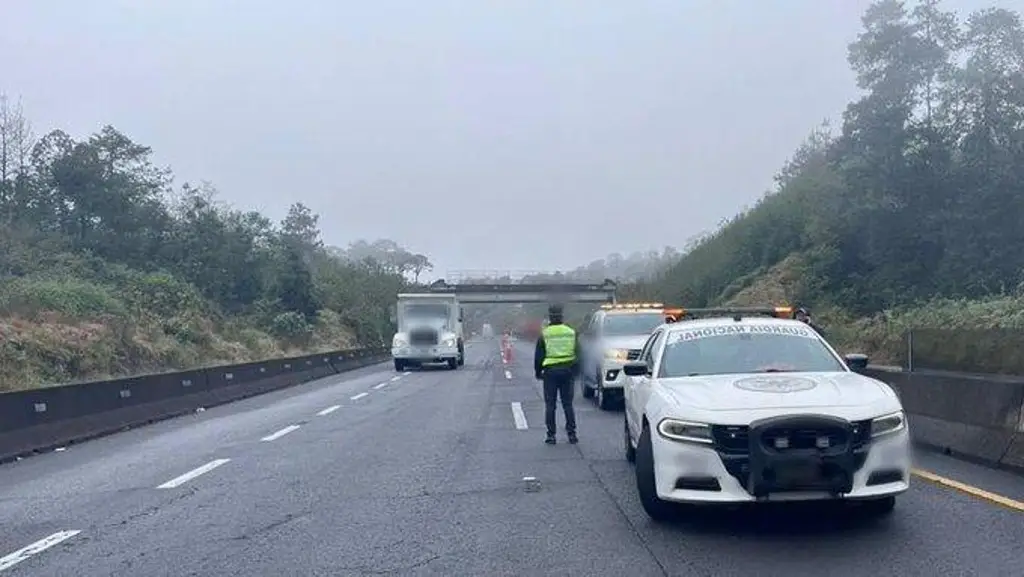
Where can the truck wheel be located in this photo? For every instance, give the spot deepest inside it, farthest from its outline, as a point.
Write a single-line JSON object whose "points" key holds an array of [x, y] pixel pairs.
{"points": [[588, 392], [657, 509], [399, 365], [605, 401]]}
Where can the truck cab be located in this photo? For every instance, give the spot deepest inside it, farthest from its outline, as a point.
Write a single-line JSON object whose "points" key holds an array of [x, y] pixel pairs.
{"points": [[429, 331]]}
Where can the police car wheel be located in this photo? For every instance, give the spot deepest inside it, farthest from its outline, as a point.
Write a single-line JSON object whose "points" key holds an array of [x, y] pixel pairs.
{"points": [[630, 451], [399, 365], [656, 508], [453, 364]]}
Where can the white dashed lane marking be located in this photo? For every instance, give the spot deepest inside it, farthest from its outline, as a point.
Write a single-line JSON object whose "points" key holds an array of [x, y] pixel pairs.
{"points": [[278, 434], [8, 561], [519, 416], [177, 481], [380, 386], [406, 373], [328, 410], [359, 396], [395, 378]]}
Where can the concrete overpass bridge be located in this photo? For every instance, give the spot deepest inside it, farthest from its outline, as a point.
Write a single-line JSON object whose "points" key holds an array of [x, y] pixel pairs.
{"points": [[512, 287]]}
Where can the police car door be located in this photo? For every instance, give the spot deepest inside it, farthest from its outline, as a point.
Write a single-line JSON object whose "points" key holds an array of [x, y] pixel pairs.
{"points": [[638, 389]]}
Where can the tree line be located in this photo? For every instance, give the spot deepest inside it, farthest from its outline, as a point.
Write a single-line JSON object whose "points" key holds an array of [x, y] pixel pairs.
{"points": [[100, 211], [919, 193]]}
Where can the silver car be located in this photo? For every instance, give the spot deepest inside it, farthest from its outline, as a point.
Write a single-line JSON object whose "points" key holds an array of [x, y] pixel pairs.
{"points": [[611, 337]]}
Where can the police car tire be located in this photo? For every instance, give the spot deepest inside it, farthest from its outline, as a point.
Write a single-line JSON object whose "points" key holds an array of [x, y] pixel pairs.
{"points": [[399, 365], [656, 508], [630, 450], [453, 364]]}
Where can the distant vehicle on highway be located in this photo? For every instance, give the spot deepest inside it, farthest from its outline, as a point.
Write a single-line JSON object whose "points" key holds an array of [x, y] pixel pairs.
{"points": [[610, 337], [429, 331], [749, 405]]}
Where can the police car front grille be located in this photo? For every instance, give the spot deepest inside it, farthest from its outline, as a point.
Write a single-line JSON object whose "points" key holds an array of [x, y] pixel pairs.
{"points": [[732, 443], [633, 354], [790, 439], [732, 440], [861, 434]]}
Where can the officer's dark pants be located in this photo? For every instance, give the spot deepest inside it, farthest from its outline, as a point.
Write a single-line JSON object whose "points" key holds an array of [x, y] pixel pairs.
{"points": [[558, 383]]}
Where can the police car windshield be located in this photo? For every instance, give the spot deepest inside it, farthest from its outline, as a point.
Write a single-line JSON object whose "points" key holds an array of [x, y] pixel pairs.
{"points": [[617, 325], [744, 349]]}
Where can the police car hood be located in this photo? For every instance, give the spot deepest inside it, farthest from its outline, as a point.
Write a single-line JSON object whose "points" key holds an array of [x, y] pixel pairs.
{"points": [[798, 391], [624, 342]]}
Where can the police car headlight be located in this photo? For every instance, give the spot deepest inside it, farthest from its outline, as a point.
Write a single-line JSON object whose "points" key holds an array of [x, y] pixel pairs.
{"points": [[448, 342], [616, 354], [685, 431], [888, 424], [399, 341]]}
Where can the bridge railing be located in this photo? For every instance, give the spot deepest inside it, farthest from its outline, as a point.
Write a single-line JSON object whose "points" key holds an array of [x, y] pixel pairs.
{"points": [[497, 276]]}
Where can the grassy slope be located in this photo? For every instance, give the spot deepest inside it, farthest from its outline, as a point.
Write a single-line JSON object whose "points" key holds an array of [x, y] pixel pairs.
{"points": [[982, 335], [58, 327]]}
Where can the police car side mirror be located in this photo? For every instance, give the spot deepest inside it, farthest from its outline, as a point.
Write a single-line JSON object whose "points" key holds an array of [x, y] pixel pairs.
{"points": [[636, 369], [856, 361]]}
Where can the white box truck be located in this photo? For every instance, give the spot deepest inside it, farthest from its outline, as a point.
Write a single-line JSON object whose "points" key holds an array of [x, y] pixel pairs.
{"points": [[429, 331]]}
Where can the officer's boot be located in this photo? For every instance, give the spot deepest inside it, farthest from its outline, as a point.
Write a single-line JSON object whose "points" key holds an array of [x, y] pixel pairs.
{"points": [[573, 439], [550, 439]]}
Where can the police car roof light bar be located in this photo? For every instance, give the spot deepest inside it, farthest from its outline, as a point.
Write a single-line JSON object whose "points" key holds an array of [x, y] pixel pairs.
{"points": [[632, 306], [738, 312]]}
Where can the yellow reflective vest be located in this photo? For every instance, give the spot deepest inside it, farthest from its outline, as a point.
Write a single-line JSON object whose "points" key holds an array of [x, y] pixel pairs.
{"points": [[559, 345]]}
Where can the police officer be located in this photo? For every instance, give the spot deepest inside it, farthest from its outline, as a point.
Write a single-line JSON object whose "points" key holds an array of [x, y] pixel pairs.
{"points": [[555, 361]]}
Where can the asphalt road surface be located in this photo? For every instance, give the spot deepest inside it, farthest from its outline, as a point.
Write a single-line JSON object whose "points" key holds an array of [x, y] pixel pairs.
{"points": [[421, 473]]}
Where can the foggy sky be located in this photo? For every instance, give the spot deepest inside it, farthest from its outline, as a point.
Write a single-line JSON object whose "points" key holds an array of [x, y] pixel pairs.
{"points": [[488, 134]]}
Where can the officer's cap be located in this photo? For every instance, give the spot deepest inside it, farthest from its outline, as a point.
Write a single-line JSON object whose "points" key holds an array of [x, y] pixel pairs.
{"points": [[555, 310]]}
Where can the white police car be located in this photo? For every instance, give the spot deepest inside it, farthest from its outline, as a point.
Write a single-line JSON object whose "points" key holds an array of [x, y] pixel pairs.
{"points": [[746, 406]]}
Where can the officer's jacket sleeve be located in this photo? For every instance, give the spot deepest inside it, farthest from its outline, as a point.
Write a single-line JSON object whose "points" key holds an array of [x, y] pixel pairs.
{"points": [[538, 356]]}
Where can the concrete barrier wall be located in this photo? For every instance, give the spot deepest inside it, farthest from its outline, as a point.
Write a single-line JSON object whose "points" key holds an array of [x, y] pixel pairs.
{"points": [[979, 417], [41, 419]]}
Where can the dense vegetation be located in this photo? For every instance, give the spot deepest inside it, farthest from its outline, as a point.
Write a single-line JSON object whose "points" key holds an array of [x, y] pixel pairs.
{"points": [[909, 216], [106, 270]]}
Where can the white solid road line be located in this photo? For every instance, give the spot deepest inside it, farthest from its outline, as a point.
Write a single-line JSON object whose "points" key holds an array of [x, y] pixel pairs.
{"points": [[359, 396], [380, 386], [328, 410], [519, 417], [193, 474], [277, 435], [508, 375], [8, 561], [395, 378]]}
